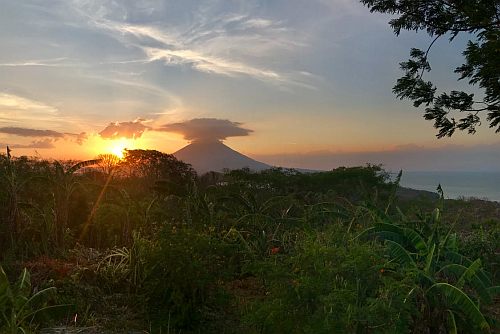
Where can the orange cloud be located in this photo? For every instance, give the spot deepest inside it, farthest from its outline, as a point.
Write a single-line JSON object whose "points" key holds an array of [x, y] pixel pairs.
{"points": [[130, 130]]}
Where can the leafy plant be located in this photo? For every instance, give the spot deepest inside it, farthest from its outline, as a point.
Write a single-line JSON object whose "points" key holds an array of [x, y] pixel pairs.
{"points": [[447, 288], [325, 286], [65, 183], [181, 276], [126, 265], [19, 305]]}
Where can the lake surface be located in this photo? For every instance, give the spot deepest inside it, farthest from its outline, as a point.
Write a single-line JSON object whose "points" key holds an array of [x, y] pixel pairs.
{"points": [[483, 185]]}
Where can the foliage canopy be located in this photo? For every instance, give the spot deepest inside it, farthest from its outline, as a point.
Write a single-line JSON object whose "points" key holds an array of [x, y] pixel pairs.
{"points": [[480, 20]]}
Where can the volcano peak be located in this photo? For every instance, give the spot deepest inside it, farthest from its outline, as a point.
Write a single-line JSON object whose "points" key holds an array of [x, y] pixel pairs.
{"points": [[213, 155]]}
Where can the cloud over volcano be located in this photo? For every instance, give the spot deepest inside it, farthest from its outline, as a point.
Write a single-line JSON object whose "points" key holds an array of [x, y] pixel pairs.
{"points": [[207, 129]]}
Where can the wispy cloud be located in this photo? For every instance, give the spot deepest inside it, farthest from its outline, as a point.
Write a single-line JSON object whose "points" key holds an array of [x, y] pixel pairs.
{"points": [[172, 51], [23, 112], [24, 132], [210, 64], [139, 31], [18, 110], [258, 23], [54, 62], [11, 102], [229, 44], [39, 144], [37, 133]]}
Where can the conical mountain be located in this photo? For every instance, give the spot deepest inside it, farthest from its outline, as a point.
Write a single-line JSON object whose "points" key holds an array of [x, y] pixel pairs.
{"points": [[206, 156]]}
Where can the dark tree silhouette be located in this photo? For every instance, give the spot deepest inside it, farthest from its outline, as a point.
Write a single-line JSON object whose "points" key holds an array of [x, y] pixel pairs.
{"points": [[108, 163], [157, 168], [480, 20]]}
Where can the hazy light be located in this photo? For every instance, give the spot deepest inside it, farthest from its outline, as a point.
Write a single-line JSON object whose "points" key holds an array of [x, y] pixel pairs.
{"points": [[118, 146]]}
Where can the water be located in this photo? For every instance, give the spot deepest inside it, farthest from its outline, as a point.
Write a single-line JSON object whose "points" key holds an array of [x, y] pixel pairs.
{"points": [[483, 185]]}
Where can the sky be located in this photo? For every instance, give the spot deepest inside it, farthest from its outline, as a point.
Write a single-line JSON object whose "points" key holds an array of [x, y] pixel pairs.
{"points": [[300, 83]]}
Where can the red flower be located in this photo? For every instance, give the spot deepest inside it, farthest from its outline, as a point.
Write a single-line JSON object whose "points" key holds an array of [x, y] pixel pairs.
{"points": [[275, 250], [382, 270]]}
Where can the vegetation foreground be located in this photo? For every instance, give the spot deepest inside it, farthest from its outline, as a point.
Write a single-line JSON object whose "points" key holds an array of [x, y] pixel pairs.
{"points": [[143, 244]]}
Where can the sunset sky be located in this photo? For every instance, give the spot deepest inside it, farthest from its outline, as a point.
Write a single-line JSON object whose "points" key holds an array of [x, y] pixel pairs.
{"points": [[303, 83]]}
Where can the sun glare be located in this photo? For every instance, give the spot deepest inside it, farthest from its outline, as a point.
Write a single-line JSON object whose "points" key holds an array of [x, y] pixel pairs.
{"points": [[118, 146]]}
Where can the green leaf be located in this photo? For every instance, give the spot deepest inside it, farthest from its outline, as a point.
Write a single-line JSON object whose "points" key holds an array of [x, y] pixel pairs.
{"points": [[5, 291], [404, 236], [429, 259], [38, 297], [43, 309], [494, 290], [366, 232], [469, 273], [474, 280], [393, 236], [399, 254], [455, 299], [23, 285], [416, 239], [457, 258], [460, 259], [450, 241], [452, 325]]}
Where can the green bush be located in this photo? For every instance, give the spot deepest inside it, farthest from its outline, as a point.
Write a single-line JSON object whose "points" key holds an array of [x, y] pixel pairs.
{"points": [[328, 285], [483, 244], [182, 276], [449, 290]]}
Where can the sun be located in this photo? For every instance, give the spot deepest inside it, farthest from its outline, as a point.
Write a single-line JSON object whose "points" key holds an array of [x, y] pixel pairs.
{"points": [[118, 146]]}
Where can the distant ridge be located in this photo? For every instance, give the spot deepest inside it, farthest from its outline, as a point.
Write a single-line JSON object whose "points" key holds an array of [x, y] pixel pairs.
{"points": [[206, 156]]}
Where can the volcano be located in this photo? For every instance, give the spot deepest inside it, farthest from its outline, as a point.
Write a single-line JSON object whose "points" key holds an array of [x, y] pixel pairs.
{"points": [[206, 156]]}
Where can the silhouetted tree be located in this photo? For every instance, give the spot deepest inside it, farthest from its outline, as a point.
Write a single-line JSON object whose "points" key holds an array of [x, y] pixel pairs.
{"points": [[108, 163], [158, 168], [480, 19]]}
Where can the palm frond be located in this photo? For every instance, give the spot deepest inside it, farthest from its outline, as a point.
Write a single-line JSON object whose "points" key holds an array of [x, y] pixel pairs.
{"points": [[82, 164]]}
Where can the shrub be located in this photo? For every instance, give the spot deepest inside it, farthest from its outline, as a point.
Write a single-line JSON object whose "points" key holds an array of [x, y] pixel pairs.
{"points": [[448, 289], [483, 244], [181, 274], [329, 286]]}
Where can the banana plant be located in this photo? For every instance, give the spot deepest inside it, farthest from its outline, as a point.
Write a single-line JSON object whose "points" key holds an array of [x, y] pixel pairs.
{"points": [[448, 287], [65, 183], [19, 306]]}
